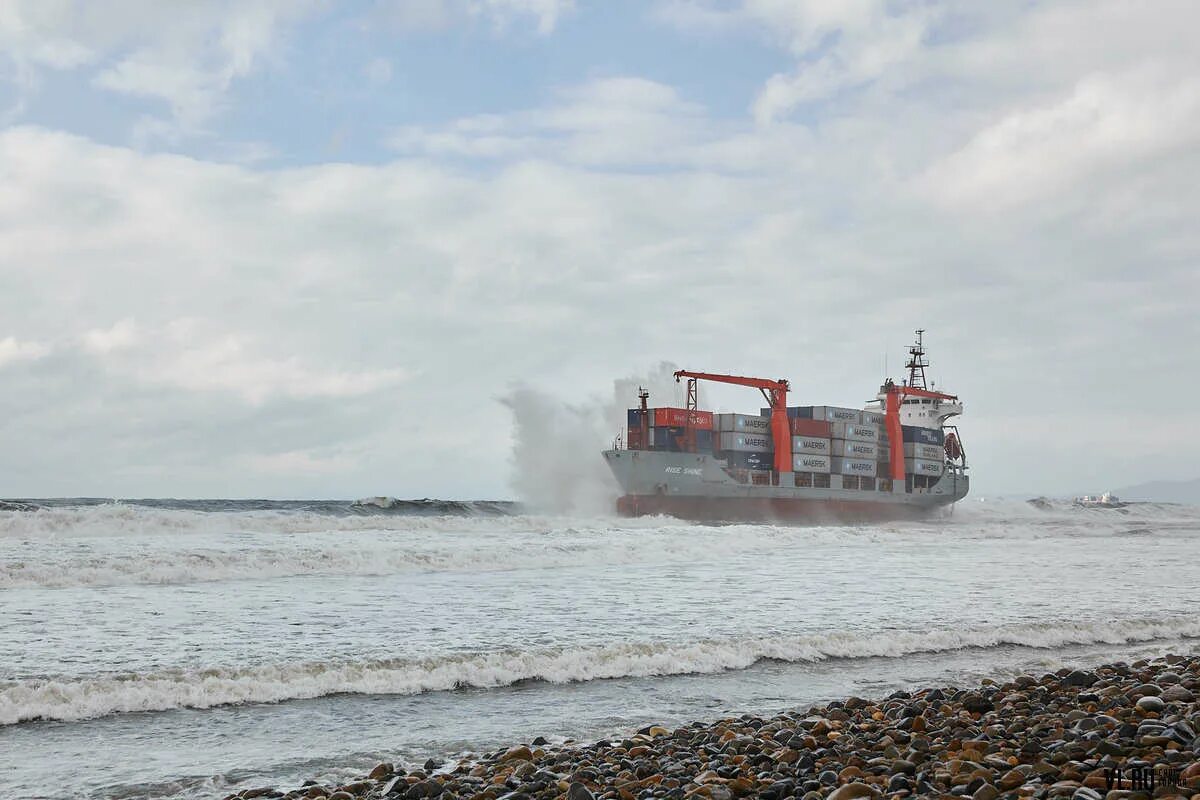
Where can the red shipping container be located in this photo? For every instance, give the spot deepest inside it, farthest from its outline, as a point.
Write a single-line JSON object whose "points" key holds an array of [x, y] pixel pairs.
{"points": [[681, 418], [811, 427]]}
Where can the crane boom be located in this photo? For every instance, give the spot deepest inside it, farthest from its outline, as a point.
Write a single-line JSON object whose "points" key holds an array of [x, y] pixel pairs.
{"points": [[775, 392]]}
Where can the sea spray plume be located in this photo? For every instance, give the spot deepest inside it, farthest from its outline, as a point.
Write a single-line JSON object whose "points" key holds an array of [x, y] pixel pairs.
{"points": [[556, 445], [552, 444]]}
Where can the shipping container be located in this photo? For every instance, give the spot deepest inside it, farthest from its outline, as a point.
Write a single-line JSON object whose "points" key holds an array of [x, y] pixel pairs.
{"points": [[793, 412], [923, 435], [850, 448], [872, 418], [820, 413], [742, 423], [811, 445], [923, 466], [883, 453], [704, 441], [745, 460], [681, 418], [633, 439], [854, 466], [837, 414], [745, 442], [634, 418], [670, 439], [806, 462], [811, 427], [856, 431], [930, 452]]}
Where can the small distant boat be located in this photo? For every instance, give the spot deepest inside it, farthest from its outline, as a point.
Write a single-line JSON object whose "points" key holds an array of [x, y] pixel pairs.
{"points": [[1106, 500]]}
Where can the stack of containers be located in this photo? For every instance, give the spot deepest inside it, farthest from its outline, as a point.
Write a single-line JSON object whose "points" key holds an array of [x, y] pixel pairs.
{"points": [[855, 450], [633, 430], [812, 451], [923, 451], [674, 429], [745, 441]]}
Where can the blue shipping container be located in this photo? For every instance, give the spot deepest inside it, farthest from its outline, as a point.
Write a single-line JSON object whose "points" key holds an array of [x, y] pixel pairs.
{"points": [[923, 435], [704, 441], [634, 418], [669, 439], [741, 460]]}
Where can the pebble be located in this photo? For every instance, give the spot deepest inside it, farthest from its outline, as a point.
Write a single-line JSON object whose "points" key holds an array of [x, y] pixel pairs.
{"points": [[1150, 703], [1026, 738]]}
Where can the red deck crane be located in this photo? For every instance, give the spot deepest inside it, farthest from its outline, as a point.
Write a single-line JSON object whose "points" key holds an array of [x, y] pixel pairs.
{"points": [[775, 393]]}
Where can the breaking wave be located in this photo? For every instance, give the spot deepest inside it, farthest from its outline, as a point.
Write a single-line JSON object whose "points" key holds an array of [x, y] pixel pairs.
{"points": [[525, 543], [48, 699]]}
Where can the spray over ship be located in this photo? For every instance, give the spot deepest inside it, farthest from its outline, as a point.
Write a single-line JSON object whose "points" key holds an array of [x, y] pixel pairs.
{"points": [[898, 457]]}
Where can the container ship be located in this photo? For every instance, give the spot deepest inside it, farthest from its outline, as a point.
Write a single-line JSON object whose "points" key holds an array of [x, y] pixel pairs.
{"points": [[897, 457]]}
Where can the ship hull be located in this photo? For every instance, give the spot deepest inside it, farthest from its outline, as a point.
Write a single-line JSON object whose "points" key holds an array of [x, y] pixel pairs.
{"points": [[698, 487]]}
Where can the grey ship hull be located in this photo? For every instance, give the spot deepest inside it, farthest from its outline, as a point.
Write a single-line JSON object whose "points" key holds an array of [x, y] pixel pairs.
{"points": [[698, 487]]}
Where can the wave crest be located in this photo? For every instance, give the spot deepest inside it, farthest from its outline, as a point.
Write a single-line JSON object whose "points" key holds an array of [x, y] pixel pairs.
{"points": [[170, 689]]}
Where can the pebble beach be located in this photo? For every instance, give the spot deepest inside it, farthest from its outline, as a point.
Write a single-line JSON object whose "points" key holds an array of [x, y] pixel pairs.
{"points": [[1122, 730]]}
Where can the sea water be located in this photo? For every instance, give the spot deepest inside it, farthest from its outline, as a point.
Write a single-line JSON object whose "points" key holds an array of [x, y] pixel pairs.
{"points": [[191, 649]]}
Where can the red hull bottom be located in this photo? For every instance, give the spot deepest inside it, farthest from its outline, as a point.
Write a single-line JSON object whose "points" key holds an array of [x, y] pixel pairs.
{"points": [[769, 509]]}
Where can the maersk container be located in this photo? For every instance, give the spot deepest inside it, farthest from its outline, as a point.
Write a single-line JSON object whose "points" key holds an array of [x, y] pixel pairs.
{"points": [[745, 442], [742, 423], [809, 462], [811, 427], [923, 435], [810, 445], [849, 448], [837, 414], [923, 466], [854, 466], [872, 418], [930, 452], [745, 460], [856, 431]]}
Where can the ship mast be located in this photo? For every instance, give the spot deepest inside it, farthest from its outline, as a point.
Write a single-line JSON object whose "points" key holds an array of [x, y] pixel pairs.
{"points": [[917, 363]]}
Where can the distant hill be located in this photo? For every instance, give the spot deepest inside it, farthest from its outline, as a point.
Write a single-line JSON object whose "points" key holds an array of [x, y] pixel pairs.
{"points": [[1163, 492]]}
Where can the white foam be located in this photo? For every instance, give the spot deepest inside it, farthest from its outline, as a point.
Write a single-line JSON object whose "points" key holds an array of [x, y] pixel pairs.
{"points": [[170, 689]]}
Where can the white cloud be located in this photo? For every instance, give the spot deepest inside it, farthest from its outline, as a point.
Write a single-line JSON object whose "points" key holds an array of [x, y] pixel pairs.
{"points": [[423, 15], [13, 350], [121, 335], [185, 55], [1105, 122]]}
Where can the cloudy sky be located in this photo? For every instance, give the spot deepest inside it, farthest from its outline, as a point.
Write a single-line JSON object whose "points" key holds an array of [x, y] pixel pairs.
{"points": [[291, 249]]}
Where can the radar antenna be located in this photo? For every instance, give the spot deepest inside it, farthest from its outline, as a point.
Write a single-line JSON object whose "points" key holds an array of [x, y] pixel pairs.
{"points": [[917, 363]]}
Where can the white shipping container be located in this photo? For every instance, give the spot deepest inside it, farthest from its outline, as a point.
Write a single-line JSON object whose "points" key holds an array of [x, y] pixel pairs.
{"points": [[742, 423], [854, 466], [929, 452], [923, 466], [836, 414], [854, 449], [856, 431], [746, 442], [807, 462], [811, 445], [872, 418]]}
